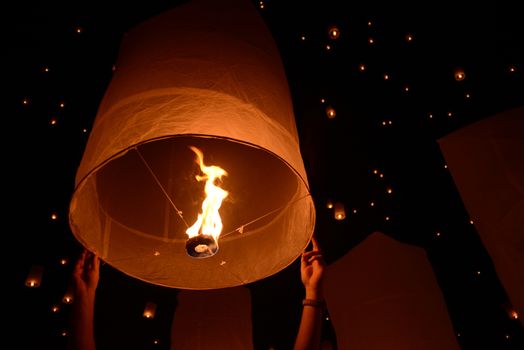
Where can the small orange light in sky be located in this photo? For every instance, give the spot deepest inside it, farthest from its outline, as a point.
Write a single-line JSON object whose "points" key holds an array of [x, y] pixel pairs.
{"points": [[334, 32], [331, 113]]}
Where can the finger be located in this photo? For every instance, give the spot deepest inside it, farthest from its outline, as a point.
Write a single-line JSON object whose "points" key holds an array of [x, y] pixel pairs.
{"points": [[304, 258], [318, 258], [80, 261], [93, 261], [315, 243], [96, 263], [79, 266], [304, 265], [311, 253]]}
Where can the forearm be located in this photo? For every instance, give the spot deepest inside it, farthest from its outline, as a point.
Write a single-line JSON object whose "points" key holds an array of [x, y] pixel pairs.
{"points": [[309, 332], [82, 325]]}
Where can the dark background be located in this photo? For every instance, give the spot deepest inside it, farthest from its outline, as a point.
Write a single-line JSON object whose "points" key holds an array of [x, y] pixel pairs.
{"points": [[64, 53]]}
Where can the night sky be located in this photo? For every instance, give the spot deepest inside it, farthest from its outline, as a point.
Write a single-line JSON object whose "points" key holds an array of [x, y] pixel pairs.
{"points": [[390, 77]]}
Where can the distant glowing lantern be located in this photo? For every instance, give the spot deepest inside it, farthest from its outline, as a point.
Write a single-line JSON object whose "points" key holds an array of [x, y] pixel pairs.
{"points": [[34, 279], [331, 113], [339, 211], [334, 32], [68, 296], [459, 74], [202, 81], [149, 310]]}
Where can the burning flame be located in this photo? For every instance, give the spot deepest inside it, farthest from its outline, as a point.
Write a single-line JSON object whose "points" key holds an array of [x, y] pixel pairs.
{"points": [[209, 221]]}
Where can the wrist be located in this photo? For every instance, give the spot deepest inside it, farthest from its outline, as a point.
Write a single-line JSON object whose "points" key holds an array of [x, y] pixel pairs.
{"points": [[314, 294], [85, 301]]}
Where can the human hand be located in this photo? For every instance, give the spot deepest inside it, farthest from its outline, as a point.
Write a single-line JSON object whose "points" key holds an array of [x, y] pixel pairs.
{"points": [[312, 270], [86, 275]]}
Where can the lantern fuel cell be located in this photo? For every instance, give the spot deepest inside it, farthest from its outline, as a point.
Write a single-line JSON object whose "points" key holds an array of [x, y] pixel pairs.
{"points": [[172, 93], [201, 246]]}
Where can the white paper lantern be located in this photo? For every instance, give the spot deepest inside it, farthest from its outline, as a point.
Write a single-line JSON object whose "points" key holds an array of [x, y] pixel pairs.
{"points": [[383, 295], [228, 326], [205, 74], [486, 162]]}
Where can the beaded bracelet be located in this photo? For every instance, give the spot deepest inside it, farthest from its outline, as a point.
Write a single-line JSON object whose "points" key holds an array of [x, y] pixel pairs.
{"points": [[313, 302]]}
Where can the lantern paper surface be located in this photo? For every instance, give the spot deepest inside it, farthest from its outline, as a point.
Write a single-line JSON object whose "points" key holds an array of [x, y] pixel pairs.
{"points": [[486, 162], [205, 74], [213, 319], [383, 295]]}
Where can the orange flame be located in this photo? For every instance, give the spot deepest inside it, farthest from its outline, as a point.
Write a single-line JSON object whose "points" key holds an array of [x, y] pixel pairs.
{"points": [[209, 221]]}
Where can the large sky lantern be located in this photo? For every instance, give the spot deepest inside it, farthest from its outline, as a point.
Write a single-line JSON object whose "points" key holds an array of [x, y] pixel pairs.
{"points": [[192, 176], [383, 294], [485, 161]]}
